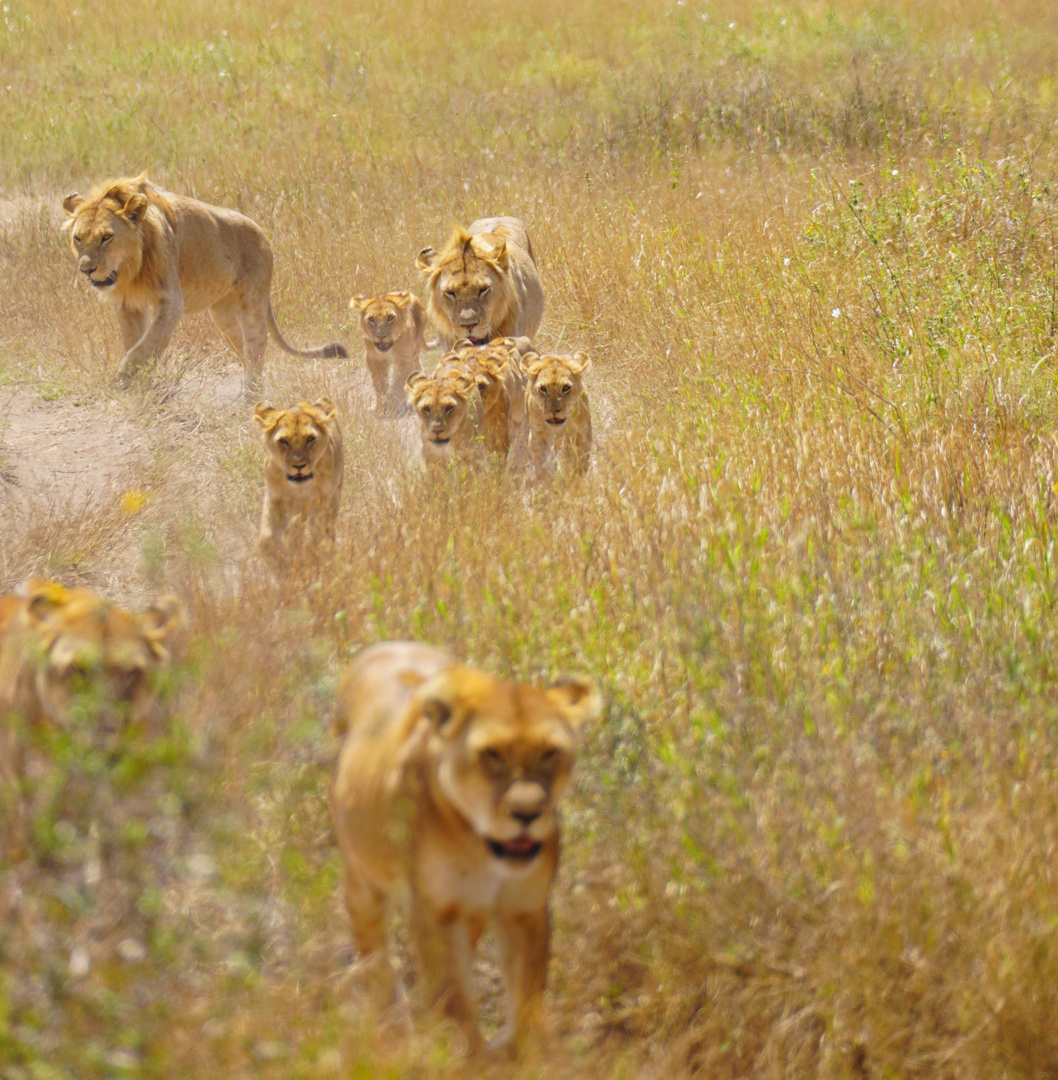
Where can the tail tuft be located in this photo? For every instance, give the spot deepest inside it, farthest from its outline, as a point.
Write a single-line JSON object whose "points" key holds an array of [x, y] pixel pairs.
{"points": [[332, 349]]}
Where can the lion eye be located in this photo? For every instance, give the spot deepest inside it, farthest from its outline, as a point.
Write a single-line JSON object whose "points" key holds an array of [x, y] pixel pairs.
{"points": [[449, 409], [105, 240], [492, 761], [566, 389], [425, 410], [543, 390], [549, 760], [284, 443], [391, 318], [483, 292], [449, 294], [310, 440]]}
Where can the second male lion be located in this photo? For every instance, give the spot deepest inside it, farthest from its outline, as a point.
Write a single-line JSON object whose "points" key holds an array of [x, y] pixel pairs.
{"points": [[484, 284], [303, 475], [156, 257], [449, 779], [394, 328]]}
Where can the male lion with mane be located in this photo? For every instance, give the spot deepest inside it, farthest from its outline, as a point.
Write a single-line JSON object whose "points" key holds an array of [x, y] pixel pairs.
{"points": [[449, 779], [156, 257], [59, 646], [484, 284]]}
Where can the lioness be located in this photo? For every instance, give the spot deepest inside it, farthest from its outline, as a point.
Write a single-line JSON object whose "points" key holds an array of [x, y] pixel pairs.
{"points": [[157, 257], [449, 411], [58, 645], [475, 767], [394, 328], [303, 474], [559, 416], [484, 284]]}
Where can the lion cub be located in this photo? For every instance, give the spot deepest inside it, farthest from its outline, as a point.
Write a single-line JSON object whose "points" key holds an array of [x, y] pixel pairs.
{"points": [[449, 411], [303, 473], [64, 651], [450, 779], [394, 329], [557, 407], [501, 387]]}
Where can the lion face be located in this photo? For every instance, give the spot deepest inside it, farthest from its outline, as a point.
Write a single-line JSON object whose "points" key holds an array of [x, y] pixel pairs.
{"points": [[554, 384], [296, 437], [106, 234], [443, 405], [468, 283], [87, 650], [501, 753], [384, 318]]}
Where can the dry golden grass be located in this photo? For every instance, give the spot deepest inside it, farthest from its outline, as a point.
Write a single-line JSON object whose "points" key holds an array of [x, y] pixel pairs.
{"points": [[811, 252]]}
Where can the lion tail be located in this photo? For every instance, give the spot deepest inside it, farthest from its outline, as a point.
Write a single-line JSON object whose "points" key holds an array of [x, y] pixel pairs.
{"points": [[323, 352]]}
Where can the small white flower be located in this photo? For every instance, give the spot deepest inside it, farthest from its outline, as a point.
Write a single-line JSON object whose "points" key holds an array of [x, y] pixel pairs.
{"points": [[894, 172], [731, 26], [836, 313], [786, 261]]}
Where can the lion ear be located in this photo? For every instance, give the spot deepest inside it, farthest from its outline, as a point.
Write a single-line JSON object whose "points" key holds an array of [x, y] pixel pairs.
{"points": [[72, 202], [265, 415], [579, 363], [439, 703], [530, 363], [45, 598], [426, 259], [135, 208], [162, 620], [577, 698], [326, 407], [499, 256], [359, 302], [414, 379], [401, 298]]}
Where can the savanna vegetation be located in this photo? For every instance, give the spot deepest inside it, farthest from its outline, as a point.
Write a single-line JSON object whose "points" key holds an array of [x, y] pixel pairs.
{"points": [[811, 251]]}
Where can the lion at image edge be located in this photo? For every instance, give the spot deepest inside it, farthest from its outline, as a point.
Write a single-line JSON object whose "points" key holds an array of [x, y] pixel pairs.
{"points": [[481, 764], [156, 256], [57, 642]]}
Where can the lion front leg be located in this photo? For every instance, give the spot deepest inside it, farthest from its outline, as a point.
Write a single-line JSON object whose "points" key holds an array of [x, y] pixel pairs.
{"points": [[444, 947], [16, 842], [270, 538], [155, 338], [379, 372], [524, 939]]}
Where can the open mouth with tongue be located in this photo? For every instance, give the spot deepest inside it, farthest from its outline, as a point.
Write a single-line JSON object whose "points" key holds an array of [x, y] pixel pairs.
{"points": [[106, 282], [556, 421], [520, 849]]}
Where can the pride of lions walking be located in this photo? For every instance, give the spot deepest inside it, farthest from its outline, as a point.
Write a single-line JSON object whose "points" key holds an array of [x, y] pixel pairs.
{"points": [[481, 762]]}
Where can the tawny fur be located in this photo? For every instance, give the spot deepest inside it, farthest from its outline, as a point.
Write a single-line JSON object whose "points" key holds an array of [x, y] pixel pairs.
{"points": [[448, 779], [304, 469], [449, 412], [558, 413], [55, 642], [501, 387], [484, 284], [394, 329], [156, 257]]}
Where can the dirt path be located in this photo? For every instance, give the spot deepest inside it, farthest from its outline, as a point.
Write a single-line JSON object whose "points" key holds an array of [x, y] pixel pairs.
{"points": [[58, 453]]}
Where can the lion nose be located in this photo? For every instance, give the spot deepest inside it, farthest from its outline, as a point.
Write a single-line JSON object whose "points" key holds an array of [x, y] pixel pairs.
{"points": [[86, 267], [526, 801], [468, 317]]}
